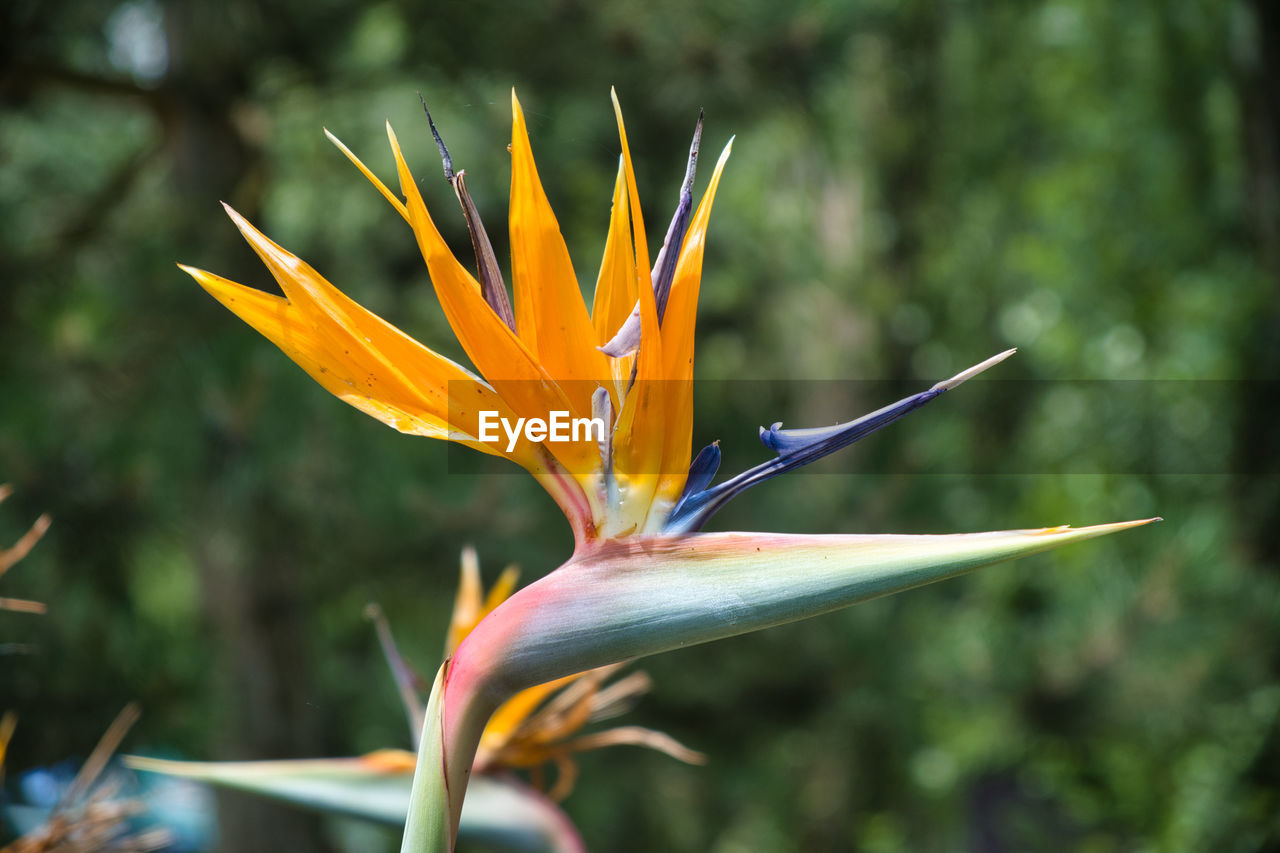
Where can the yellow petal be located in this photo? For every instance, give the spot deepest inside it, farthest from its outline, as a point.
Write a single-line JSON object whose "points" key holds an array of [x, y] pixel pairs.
{"points": [[551, 317], [678, 326]]}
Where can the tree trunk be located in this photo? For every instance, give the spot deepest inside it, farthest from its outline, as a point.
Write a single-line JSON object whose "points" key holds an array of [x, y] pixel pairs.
{"points": [[249, 579]]}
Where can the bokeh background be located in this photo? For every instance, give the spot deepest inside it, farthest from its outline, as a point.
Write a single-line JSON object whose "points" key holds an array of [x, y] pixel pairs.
{"points": [[914, 186]]}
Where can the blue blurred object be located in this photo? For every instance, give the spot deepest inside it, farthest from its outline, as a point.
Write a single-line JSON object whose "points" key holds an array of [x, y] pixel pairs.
{"points": [[185, 809]]}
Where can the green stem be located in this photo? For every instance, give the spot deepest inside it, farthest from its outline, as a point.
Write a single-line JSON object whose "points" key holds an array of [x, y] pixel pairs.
{"points": [[426, 828], [455, 719]]}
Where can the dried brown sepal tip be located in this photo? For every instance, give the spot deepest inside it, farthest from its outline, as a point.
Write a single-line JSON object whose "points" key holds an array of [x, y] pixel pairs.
{"points": [[491, 283], [10, 556]]}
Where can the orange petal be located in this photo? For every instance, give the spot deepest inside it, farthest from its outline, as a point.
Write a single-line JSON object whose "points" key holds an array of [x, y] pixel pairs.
{"points": [[641, 245], [356, 370], [357, 373], [517, 709], [470, 605], [616, 285], [373, 179], [551, 317], [502, 358], [501, 590], [466, 602], [678, 342], [639, 437], [8, 722], [390, 760]]}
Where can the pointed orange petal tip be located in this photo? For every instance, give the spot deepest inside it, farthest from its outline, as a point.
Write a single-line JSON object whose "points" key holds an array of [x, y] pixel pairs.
{"points": [[617, 105], [240, 221], [267, 249], [205, 279], [389, 760], [372, 178]]}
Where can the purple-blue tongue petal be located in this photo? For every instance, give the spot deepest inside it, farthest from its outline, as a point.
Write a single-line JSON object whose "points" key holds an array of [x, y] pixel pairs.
{"points": [[797, 447], [701, 473]]}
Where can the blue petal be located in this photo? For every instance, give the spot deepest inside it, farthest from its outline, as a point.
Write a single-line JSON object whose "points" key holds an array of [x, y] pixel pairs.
{"points": [[797, 447], [701, 473]]}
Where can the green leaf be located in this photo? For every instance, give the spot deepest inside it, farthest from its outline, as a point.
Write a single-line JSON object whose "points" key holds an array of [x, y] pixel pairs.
{"points": [[503, 813], [368, 787]]}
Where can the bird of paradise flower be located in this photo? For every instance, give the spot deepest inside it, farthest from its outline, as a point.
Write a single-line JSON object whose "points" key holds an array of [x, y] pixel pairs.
{"points": [[643, 578]]}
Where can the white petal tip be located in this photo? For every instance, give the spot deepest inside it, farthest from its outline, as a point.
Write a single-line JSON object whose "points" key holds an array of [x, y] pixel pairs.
{"points": [[965, 375]]}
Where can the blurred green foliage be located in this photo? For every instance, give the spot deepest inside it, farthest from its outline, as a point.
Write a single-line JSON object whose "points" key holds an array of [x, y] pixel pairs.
{"points": [[914, 186]]}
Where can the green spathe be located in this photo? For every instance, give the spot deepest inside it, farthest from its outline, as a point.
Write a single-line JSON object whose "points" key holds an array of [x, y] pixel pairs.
{"points": [[643, 595]]}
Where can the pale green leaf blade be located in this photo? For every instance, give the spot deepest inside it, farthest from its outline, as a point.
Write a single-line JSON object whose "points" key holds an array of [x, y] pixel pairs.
{"points": [[366, 787], [502, 813]]}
